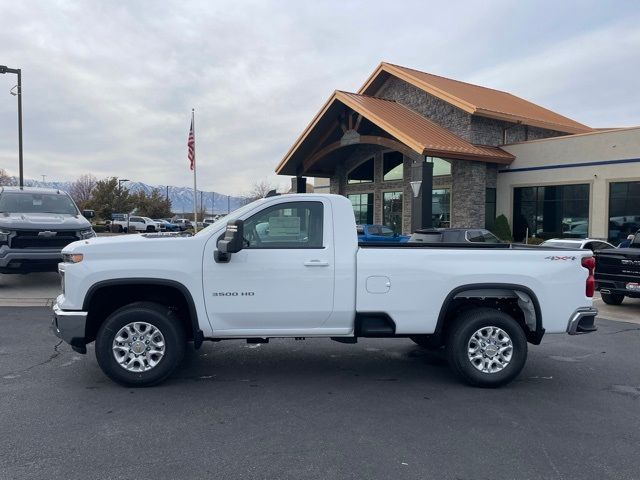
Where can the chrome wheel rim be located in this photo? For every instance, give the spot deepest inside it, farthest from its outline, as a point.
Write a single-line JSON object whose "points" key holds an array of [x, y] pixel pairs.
{"points": [[490, 349], [138, 347]]}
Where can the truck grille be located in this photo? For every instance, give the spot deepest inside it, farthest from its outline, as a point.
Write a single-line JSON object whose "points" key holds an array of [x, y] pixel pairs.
{"points": [[34, 239]]}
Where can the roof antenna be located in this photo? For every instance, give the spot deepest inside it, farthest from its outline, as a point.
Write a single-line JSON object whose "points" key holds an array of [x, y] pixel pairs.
{"points": [[271, 193]]}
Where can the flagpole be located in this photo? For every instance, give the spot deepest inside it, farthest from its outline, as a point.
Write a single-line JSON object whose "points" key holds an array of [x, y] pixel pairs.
{"points": [[195, 195]]}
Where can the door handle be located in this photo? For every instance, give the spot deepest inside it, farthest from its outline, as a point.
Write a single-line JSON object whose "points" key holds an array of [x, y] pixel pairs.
{"points": [[316, 263]]}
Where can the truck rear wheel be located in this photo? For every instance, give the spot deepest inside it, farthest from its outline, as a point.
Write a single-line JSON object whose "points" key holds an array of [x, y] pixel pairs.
{"points": [[612, 298], [140, 344], [486, 347]]}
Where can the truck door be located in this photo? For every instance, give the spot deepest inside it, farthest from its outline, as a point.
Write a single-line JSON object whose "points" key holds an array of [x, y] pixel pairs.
{"points": [[284, 276]]}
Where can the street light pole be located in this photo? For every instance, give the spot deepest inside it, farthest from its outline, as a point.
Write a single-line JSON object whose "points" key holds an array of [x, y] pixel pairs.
{"points": [[18, 72]]}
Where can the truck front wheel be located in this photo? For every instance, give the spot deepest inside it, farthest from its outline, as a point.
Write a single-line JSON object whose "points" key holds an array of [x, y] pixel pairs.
{"points": [[140, 344], [486, 347]]}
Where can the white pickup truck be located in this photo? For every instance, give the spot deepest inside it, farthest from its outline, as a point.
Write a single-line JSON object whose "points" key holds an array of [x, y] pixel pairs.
{"points": [[291, 266]]}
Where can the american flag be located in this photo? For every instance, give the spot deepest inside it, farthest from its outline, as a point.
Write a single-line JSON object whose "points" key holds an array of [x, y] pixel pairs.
{"points": [[191, 145]]}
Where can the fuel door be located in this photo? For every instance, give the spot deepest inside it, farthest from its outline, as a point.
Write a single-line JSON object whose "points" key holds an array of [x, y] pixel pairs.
{"points": [[378, 284]]}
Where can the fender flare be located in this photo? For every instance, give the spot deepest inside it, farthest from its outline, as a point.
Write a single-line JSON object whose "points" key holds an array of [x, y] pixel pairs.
{"points": [[198, 335], [535, 337]]}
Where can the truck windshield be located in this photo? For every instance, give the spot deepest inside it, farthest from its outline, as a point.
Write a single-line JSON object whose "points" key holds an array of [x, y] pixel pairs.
{"points": [[25, 202]]}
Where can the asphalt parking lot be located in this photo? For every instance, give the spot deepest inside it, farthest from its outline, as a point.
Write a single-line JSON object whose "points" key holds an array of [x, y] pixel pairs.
{"points": [[318, 409]]}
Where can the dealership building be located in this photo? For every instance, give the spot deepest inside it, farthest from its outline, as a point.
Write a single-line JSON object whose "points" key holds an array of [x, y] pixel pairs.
{"points": [[411, 150]]}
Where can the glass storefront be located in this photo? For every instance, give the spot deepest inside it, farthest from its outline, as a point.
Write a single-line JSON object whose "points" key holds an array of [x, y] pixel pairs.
{"points": [[624, 210], [392, 210], [362, 207], [557, 211], [441, 208]]}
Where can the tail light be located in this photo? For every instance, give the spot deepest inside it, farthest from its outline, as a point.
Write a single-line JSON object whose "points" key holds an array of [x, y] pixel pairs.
{"points": [[590, 264]]}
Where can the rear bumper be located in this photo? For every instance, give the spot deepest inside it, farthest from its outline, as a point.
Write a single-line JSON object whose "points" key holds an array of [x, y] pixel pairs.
{"points": [[609, 286], [582, 321], [70, 326]]}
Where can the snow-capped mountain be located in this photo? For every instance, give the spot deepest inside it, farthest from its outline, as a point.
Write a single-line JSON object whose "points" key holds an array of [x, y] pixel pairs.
{"points": [[181, 197]]}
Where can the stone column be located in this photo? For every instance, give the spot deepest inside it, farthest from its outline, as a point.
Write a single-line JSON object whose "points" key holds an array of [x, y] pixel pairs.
{"points": [[468, 192]]}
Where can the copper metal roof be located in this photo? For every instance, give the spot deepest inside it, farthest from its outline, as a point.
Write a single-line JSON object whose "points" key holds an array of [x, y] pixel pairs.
{"points": [[417, 132], [412, 129], [475, 99]]}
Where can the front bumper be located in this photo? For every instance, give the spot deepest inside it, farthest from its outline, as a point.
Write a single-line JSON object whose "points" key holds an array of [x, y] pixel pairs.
{"points": [[20, 260], [582, 321], [70, 326]]}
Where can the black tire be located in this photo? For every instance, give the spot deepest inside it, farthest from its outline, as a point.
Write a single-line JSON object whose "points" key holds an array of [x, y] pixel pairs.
{"points": [[151, 228], [612, 298], [154, 314], [428, 342], [461, 333]]}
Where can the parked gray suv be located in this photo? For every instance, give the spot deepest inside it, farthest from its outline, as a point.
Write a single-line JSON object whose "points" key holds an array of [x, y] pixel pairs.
{"points": [[35, 225]]}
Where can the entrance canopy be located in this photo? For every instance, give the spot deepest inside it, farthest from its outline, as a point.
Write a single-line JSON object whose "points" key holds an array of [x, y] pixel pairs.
{"points": [[348, 119]]}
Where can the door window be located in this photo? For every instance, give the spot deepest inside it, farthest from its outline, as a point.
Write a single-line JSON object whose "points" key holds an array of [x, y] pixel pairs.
{"points": [[287, 225]]}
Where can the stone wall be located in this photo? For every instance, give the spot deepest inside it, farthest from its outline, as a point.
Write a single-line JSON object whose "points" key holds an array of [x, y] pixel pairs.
{"points": [[488, 131], [444, 114]]}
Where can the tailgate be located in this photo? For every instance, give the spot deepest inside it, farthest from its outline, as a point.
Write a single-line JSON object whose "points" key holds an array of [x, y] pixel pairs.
{"points": [[621, 266]]}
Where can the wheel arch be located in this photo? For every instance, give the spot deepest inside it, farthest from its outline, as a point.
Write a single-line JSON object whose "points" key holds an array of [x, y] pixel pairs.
{"points": [[141, 284], [484, 291]]}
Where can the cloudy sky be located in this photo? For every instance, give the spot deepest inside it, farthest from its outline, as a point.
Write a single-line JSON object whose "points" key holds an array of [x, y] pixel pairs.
{"points": [[108, 85]]}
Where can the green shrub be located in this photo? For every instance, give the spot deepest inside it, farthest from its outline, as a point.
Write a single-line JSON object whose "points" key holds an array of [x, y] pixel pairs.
{"points": [[100, 228], [502, 230]]}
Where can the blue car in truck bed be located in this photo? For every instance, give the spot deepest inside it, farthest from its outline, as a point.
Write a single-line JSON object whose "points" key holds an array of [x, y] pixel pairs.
{"points": [[378, 233]]}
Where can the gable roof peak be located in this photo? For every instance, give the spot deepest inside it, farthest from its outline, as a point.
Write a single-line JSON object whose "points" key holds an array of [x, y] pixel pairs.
{"points": [[474, 99]]}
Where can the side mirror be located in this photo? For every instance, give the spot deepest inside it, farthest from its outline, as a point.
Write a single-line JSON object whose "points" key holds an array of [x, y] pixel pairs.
{"points": [[88, 213], [232, 242]]}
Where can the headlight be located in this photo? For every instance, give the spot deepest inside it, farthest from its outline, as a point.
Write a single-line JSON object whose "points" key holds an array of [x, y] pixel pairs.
{"points": [[89, 233], [72, 257]]}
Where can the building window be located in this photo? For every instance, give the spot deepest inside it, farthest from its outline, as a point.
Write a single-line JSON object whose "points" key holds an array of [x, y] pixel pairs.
{"points": [[441, 208], [560, 211], [362, 207], [490, 208], [392, 164], [440, 167], [392, 210], [363, 173], [624, 210]]}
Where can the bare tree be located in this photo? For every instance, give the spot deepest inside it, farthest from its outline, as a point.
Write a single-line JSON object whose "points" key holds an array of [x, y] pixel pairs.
{"points": [[260, 189], [81, 190], [5, 178]]}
